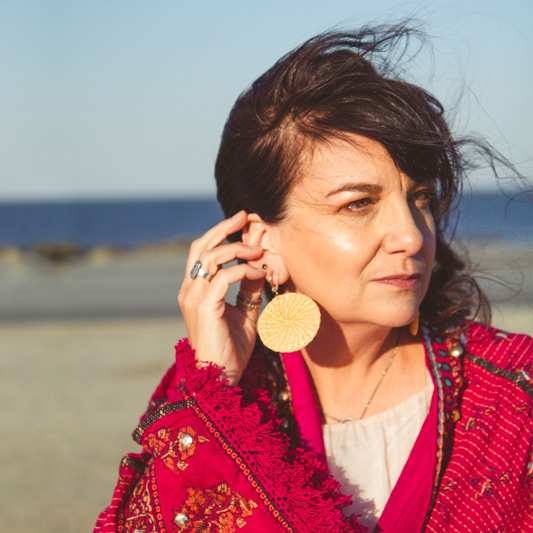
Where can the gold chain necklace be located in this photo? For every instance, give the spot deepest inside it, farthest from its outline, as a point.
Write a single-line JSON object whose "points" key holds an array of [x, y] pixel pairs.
{"points": [[383, 374]]}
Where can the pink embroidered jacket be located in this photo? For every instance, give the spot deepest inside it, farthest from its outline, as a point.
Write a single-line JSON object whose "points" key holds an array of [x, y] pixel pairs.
{"points": [[221, 459]]}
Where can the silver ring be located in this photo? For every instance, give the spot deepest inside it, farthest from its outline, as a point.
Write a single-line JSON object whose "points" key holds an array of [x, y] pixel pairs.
{"points": [[197, 270], [202, 273]]}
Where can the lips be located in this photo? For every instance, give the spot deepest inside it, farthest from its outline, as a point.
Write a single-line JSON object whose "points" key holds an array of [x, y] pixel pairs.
{"points": [[402, 281]]}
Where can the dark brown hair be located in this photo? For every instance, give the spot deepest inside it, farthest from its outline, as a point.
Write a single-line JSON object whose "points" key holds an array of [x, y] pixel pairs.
{"points": [[333, 85]]}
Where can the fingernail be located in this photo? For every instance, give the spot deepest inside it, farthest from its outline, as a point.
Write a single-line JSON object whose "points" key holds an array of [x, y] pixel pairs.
{"points": [[238, 214]]}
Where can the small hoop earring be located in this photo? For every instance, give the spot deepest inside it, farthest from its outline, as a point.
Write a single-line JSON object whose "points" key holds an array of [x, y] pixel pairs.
{"points": [[273, 288]]}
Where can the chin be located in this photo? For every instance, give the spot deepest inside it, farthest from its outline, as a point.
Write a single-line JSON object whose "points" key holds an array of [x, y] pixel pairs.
{"points": [[389, 321], [382, 312], [397, 319]]}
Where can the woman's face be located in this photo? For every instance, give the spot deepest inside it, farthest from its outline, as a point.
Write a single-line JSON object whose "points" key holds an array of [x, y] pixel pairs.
{"points": [[359, 236]]}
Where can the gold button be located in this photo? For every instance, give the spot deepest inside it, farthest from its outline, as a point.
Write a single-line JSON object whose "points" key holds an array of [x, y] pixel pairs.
{"points": [[457, 351]]}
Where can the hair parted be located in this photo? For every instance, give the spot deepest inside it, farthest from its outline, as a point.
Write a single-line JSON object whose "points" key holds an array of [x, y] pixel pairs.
{"points": [[336, 84]]}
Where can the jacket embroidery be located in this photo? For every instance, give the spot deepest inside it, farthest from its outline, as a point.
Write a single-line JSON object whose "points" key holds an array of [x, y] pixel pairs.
{"points": [[173, 446], [216, 509], [142, 512]]}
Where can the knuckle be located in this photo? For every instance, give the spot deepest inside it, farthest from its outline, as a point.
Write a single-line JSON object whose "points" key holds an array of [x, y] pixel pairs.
{"points": [[185, 303], [202, 256], [195, 244]]}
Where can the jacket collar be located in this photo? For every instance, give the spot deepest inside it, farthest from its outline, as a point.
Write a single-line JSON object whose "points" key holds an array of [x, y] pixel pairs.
{"points": [[444, 357]]}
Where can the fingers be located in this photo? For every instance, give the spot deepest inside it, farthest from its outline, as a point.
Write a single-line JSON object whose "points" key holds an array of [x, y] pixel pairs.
{"points": [[209, 290], [205, 297], [216, 236], [252, 288], [218, 288], [211, 260]]}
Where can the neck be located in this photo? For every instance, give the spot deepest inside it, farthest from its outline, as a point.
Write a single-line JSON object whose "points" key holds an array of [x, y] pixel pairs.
{"points": [[355, 346], [345, 365]]}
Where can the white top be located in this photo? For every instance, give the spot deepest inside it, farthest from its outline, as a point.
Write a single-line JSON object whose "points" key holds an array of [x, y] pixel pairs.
{"points": [[367, 456]]}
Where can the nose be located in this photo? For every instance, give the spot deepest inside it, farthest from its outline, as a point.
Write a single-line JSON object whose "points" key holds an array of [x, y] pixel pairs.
{"points": [[403, 233]]}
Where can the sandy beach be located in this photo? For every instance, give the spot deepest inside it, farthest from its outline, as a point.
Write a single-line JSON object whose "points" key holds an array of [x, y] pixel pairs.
{"points": [[82, 345]]}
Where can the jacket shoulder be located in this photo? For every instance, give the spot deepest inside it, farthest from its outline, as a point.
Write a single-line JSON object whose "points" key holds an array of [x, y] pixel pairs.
{"points": [[510, 351]]}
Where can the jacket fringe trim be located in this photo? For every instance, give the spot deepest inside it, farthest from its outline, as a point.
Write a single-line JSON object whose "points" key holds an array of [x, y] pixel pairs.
{"points": [[302, 494]]}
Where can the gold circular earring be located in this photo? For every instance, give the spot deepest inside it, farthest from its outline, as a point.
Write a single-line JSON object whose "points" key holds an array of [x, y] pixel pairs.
{"points": [[289, 322]]}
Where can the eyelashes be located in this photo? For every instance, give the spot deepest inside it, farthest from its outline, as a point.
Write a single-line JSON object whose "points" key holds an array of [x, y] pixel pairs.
{"points": [[424, 195], [422, 198], [358, 204]]}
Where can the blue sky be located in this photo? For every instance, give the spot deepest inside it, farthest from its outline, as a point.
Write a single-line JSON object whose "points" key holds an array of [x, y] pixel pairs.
{"points": [[107, 99]]}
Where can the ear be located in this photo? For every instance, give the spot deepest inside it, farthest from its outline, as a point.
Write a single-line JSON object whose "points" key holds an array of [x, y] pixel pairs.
{"points": [[259, 233]]}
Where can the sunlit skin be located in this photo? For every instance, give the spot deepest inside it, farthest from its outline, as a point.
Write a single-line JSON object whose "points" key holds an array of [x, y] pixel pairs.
{"points": [[359, 239], [359, 236]]}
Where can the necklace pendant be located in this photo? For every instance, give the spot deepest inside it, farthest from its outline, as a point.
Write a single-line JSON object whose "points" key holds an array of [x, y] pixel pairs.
{"points": [[347, 419]]}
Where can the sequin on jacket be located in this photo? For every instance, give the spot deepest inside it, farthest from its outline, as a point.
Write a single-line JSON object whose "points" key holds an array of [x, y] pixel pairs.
{"points": [[228, 459]]}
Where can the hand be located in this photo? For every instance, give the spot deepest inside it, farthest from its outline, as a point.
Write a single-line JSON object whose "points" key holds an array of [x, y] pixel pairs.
{"points": [[219, 332]]}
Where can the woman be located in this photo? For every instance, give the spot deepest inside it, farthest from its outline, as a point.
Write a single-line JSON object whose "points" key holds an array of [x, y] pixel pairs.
{"points": [[337, 178]]}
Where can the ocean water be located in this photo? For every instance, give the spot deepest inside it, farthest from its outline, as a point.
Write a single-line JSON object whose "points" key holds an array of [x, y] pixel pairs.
{"points": [[83, 225], [105, 223]]}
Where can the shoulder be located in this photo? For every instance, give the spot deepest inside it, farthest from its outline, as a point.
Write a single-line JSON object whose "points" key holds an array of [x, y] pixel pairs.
{"points": [[509, 351], [495, 357], [488, 432], [487, 356]]}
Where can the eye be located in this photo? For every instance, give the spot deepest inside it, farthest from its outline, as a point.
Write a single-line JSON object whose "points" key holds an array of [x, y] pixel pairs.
{"points": [[358, 204], [423, 196]]}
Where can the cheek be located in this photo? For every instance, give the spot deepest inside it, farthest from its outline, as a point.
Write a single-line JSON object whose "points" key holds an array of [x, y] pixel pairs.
{"points": [[326, 255], [351, 250], [340, 254]]}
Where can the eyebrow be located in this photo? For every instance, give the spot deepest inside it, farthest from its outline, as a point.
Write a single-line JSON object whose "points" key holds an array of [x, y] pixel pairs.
{"points": [[356, 187]]}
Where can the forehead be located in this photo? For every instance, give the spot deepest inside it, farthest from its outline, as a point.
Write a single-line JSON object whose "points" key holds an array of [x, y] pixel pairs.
{"points": [[355, 160]]}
